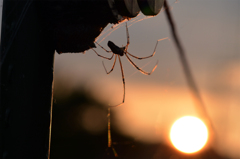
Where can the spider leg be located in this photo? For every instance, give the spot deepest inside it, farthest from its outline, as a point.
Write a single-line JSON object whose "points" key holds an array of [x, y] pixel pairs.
{"points": [[103, 48], [109, 58], [142, 71], [140, 58], [128, 41], [112, 65], [123, 80]]}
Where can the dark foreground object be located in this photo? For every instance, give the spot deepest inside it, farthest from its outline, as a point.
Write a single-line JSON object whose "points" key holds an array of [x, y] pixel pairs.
{"points": [[31, 32], [26, 82]]}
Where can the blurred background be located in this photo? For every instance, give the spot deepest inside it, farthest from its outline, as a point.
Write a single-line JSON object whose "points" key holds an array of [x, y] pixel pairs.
{"points": [[209, 32]]}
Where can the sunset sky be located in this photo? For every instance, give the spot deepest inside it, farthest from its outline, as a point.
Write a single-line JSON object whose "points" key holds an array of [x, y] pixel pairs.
{"points": [[210, 33]]}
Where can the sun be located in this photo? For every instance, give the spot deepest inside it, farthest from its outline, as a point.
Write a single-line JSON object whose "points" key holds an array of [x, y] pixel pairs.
{"points": [[189, 134]]}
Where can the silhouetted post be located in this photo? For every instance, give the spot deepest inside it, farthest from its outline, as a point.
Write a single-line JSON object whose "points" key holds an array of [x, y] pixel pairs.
{"points": [[27, 52], [31, 31]]}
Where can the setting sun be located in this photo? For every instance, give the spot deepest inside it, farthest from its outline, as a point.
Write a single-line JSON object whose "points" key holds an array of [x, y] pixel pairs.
{"points": [[189, 134]]}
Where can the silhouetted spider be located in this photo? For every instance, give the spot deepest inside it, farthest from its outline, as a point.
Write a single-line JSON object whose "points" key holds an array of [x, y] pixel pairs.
{"points": [[120, 51]]}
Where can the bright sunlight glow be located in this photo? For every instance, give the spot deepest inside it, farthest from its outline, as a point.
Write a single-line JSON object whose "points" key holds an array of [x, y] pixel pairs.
{"points": [[189, 134]]}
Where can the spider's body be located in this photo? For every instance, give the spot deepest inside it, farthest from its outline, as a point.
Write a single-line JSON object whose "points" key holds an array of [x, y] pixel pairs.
{"points": [[115, 49], [121, 51]]}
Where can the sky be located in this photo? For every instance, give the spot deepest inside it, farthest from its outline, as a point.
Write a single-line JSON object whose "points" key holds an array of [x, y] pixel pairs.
{"points": [[209, 32]]}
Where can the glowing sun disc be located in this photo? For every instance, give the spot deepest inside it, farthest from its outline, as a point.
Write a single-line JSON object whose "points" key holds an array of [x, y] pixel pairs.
{"points": [[189, 134]]}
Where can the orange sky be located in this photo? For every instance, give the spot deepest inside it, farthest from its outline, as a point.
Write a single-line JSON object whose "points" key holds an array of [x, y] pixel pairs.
{"points": [[209, 31], [150, 108]]}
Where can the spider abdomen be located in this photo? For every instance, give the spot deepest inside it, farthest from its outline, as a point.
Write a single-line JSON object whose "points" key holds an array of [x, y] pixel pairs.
{"points": [[115, 49]]}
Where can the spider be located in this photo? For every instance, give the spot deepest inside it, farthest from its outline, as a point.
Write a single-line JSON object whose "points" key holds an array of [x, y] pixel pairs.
{"points": [[121, 51]]}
